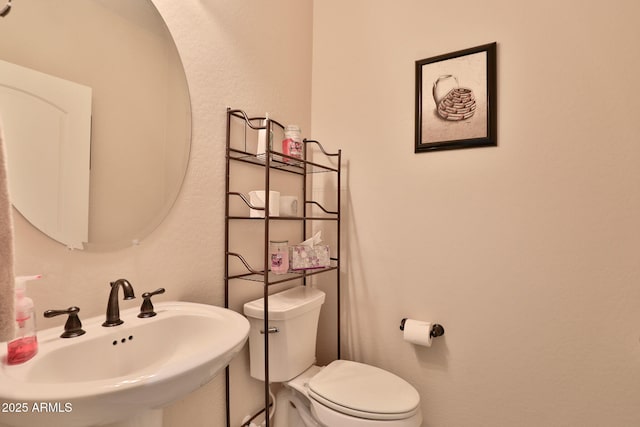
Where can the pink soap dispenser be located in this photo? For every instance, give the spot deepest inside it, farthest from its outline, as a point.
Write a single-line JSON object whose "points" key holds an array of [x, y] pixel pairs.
{"points": [[25, 343]]}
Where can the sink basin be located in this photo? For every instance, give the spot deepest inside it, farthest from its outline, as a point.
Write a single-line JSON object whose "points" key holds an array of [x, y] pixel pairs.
{"points": [[112, 374]]}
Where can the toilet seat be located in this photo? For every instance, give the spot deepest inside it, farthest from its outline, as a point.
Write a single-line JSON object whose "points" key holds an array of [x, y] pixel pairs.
{"points": [[363, 391]]}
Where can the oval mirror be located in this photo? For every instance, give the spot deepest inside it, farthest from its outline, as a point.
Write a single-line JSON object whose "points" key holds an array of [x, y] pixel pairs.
{"points": [[122, 53]]}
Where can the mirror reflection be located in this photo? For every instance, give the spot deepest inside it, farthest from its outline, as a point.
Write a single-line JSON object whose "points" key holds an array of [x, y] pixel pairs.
{"points": [[140, 108]]}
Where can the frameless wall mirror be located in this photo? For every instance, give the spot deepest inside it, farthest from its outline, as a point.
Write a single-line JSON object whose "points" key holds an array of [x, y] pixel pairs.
{"points": [[119, 54]]}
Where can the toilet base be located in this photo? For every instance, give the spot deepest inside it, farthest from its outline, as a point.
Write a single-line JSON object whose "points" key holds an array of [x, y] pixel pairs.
{"points": [[292, 410]]}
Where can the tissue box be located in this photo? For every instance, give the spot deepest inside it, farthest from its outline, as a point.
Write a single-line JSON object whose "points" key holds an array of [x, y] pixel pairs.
{"points": [[306, 257]]}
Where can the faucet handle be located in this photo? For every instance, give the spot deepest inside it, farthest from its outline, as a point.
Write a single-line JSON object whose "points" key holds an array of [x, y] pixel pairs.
{"points": [[146, 309], [73, 326]]}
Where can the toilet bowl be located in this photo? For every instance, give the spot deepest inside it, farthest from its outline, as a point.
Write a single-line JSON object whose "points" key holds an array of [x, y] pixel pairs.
{"points": [[341, 394]]}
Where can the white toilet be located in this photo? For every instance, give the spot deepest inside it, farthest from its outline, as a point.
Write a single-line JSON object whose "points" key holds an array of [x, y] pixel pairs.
{"points": [[342, 394]]}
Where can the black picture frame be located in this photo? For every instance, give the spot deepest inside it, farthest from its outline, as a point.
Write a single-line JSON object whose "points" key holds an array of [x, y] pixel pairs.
{"points": [[465, 115]]}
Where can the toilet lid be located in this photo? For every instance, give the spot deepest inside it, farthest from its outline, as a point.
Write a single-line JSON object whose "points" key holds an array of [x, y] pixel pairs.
{"points": [[364, 391]]}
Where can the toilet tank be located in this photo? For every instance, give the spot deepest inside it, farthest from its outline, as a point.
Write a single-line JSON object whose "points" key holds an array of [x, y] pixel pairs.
{"points": [[294, 314]]}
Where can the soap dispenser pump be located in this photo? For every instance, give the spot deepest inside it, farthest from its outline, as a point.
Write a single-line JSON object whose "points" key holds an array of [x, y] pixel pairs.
{"points": [[25, 343]]}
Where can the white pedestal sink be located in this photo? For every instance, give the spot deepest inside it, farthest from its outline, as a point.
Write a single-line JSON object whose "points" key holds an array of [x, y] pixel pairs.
{"points": [[120, 373]]}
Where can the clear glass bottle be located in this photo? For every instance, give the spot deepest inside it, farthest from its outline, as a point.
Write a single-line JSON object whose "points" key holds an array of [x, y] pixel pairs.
{"points": [[292, 142], [279, 256]]}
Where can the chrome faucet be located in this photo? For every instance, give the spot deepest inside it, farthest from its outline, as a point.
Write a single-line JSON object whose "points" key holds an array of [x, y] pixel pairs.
{"points": [[113, 309]]}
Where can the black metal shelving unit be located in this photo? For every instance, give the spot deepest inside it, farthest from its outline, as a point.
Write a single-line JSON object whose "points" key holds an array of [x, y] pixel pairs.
{"points": [[276, 162]]}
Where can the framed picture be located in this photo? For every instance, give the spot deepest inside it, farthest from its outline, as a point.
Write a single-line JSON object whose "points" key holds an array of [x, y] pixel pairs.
{"points": [[456, 100]]}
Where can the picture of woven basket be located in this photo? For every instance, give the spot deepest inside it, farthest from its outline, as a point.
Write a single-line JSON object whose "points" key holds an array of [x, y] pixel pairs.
{"points": [[459, 103]]}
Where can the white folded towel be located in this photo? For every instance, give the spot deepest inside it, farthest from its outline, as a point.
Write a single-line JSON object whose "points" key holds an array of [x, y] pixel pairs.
{"points": [[7, 284]]}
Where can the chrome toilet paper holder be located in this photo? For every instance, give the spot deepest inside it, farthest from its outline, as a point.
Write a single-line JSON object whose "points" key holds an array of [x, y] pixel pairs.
{"points": [[437, 330]]}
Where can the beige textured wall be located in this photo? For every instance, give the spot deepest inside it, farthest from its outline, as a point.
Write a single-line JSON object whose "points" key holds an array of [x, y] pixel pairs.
{"points": [[527, 253], [253, 55]]}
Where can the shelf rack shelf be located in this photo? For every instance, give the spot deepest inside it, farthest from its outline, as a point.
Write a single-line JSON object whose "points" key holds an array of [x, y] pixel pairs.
{"points": [[300, 169]]}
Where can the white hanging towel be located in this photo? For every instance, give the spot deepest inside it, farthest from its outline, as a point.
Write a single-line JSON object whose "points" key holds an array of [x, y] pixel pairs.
{"points": [[6, 251]]}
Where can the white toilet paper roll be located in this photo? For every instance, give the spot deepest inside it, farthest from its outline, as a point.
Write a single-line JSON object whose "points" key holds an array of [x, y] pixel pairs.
{"points": [[288, 205], [418, 332], [257, 199]]}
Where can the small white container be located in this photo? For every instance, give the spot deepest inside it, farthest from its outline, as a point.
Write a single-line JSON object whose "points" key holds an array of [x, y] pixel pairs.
{"points": [[261, 153]]}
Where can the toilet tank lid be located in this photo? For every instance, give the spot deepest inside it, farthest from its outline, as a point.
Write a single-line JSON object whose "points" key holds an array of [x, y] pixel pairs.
{"points": [[287, 304]]}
